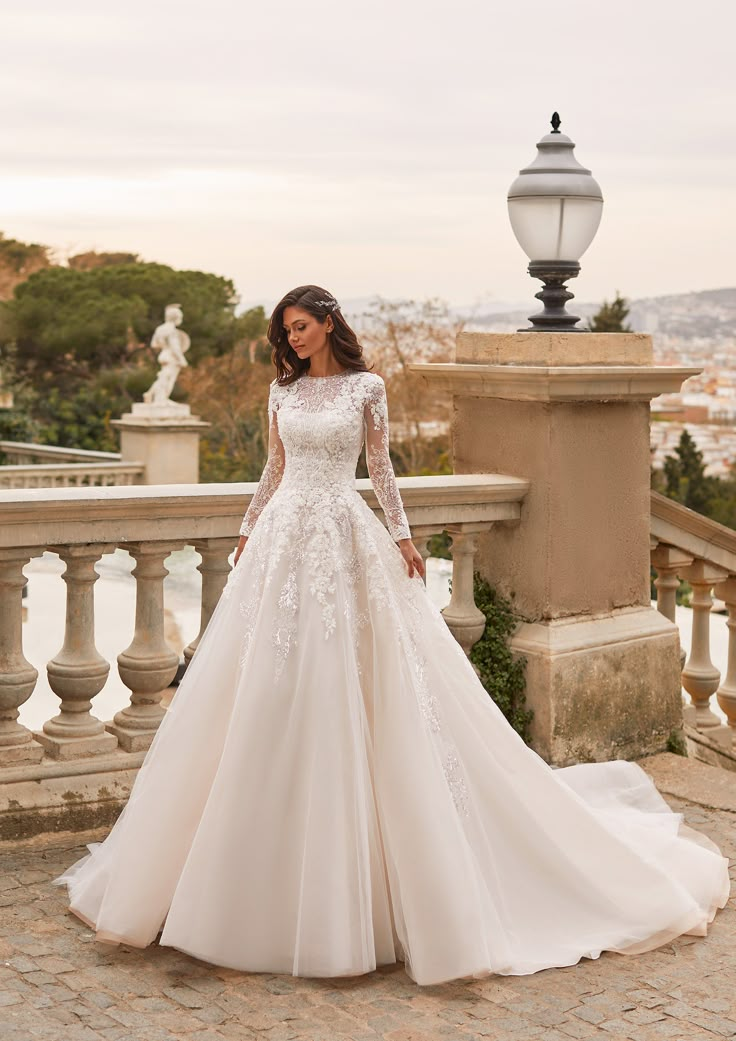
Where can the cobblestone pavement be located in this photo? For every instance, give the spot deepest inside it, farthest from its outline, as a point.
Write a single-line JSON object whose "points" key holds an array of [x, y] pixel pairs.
{"points": [[57, 983]]}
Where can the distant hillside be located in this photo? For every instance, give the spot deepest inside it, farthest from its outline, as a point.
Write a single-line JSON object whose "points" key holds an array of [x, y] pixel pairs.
{"points": [[707, 315]]}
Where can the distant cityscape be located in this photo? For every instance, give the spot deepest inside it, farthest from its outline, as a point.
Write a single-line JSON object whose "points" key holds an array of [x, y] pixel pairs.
{"points": [[695, 329]]}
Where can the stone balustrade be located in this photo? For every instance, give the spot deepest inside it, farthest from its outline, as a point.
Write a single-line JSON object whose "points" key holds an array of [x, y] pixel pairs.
{"points": [[686, 546], [26, 452], [87, 764], [71, 475], [49, 466]]}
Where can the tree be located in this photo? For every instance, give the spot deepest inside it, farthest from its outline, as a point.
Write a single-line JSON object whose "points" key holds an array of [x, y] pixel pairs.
{"points": [[685, 477], [91, 259], [75, 342], [230, 391], [70, 323], [393, 333], [610, 318], [18, 260]]}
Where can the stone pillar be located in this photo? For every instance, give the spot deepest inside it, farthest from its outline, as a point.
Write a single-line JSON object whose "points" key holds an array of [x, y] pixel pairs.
{"points": [[726, 695], [148, 665], [570, 413], [78, 672], [17, 675], [465, 621], [700, 677], [214, 569], [165, 438]]}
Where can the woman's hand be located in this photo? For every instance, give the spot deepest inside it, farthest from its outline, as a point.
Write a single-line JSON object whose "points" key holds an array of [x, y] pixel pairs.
{"points": [[241, 547], [412, 556]]}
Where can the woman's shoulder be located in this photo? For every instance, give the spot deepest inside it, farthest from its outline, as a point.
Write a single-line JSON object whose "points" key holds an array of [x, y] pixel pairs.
{"points": [[370, 380]]}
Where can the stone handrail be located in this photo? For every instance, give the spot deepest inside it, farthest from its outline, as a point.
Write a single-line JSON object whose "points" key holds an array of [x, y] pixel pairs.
{"points": [[687, 546], [28, 452], [71, 475], [83, 524]]}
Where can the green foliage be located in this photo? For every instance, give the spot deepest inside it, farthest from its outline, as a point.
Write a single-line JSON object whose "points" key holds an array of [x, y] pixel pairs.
{"points": [[62, 319], [611, 318], [239, 455], [74, 347], [20, 256], [501, 673], [15, 425], [78, 419], [676, 743], [439, 546], [685, 478]]}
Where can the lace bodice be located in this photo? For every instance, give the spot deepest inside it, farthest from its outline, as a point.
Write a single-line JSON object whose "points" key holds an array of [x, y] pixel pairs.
{"points": [[317, 426]]}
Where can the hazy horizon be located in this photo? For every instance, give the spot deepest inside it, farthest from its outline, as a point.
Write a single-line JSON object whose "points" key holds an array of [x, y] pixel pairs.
{"points": [[369, 150]]}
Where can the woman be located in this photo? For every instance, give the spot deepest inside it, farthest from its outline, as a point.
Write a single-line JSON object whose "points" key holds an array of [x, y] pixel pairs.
{"points": [[332, 788]]}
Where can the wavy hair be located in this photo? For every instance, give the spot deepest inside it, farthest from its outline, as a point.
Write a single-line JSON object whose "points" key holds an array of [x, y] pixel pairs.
{"points": [[319, 303]]}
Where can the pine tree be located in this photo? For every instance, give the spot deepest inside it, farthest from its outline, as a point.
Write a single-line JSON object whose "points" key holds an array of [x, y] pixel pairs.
{"points": [[611, 317], [685, 477]]}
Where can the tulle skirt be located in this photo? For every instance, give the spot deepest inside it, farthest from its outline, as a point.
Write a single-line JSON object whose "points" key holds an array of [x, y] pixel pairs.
{"points": [[332, 789]]}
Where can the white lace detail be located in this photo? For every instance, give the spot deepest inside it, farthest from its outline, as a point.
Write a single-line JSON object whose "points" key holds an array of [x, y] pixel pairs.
{"points": [[352, 407], [273, 470], [318, 544]]}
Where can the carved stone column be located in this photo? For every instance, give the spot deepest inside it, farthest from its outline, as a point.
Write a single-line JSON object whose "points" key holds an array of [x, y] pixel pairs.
{"points": [[78, 672], [700, 677], [214, 569], [726, 694], [148, 665], [17, 676], [465, 621], [669, 562]]}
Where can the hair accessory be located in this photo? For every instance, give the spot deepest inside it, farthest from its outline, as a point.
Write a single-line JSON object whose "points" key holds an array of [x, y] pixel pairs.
{"points": [[331, 305]]}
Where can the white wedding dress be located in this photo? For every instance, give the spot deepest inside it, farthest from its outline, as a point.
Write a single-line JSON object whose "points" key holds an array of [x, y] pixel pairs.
{"points": [[332, 789]]}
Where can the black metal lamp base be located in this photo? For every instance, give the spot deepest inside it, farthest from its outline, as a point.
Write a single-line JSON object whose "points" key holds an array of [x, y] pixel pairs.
{"points": [[554, 296]]}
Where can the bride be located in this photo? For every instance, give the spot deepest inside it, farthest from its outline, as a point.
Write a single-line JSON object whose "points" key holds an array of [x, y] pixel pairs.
{"points": [[332, 788]]}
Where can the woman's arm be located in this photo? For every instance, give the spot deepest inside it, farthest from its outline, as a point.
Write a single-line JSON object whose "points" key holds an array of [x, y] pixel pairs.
{"points": [[381, 473], [270, 478]]}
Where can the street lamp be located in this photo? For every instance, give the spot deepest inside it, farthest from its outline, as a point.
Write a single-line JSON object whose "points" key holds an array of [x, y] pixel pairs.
{"points": [[555, 207]]}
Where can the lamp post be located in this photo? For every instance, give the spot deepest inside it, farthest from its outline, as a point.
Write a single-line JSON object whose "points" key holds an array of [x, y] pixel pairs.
{"points": [[555, 207]]}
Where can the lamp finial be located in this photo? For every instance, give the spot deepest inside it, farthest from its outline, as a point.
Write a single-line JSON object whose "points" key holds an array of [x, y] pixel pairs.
{"points": [[556, 122]]}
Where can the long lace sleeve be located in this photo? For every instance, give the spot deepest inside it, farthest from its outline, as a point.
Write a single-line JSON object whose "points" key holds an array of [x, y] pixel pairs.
{"points": [[380, 470], [272, 471]]}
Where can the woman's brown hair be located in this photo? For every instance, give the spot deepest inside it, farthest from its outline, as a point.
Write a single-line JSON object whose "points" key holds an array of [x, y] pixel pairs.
{"points": [[319, 303]]}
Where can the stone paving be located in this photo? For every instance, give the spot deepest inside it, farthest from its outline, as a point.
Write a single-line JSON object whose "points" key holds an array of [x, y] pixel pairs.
{"points": [[57, 983]]}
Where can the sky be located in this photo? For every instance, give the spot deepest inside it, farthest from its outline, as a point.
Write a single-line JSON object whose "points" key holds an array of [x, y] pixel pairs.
{"points": [[368, 147]]}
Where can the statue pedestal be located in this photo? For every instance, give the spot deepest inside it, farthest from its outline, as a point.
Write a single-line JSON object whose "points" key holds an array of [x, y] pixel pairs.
{"points": [[570, 414], [165, 438]]}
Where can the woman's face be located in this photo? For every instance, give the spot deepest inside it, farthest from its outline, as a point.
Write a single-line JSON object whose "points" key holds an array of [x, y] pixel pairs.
{"points": [[306, 335]]}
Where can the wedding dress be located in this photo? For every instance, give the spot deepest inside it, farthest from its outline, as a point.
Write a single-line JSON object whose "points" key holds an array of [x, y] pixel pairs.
{"points": [[332, 788]]}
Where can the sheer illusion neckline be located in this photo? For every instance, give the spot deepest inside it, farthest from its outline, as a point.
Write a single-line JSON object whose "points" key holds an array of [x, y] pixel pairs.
{"points": [[332, 377]]}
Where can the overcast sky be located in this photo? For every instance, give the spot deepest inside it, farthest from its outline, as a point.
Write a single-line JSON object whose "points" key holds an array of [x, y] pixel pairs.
{"points": [[368, 147]]}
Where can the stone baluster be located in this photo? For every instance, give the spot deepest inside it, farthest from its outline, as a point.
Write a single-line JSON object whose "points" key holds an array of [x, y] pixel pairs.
{"points": [[465, 621], [148, 665], [700, 677], [78, 672], [726, 693], [669, 562], [17, 676], [214, 569]]}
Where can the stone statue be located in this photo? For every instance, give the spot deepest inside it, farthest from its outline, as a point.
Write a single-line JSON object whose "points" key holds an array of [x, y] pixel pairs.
{"points": [[172, 344]]}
